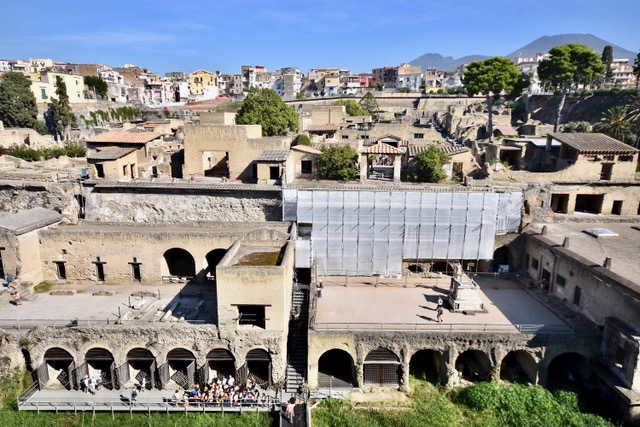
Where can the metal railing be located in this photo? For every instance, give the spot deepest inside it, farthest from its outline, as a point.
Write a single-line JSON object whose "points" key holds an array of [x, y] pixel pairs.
{"points": [[28, 392], [27, 324], [143, 405], [446, 327]]}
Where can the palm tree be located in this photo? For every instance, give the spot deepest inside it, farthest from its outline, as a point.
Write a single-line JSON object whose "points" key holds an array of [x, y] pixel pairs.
{"points": [[634, 120], [615, 123]]}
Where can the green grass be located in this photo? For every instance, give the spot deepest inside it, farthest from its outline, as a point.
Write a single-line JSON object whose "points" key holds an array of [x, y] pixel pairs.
{"points": [[42, 287], [481, 405]]}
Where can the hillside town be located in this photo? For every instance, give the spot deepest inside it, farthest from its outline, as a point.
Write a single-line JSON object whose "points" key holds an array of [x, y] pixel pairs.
{"points": [[267, 240]]}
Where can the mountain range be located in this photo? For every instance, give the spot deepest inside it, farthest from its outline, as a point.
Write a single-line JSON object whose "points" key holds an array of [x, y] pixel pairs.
{"points": [[542, 44]]}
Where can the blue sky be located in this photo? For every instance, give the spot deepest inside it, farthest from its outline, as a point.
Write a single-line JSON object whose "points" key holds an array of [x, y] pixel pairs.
{"points": [[358, 35]]}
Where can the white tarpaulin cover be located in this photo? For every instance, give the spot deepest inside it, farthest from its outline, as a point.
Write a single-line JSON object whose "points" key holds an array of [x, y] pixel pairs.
{"points": [[371, 232]]}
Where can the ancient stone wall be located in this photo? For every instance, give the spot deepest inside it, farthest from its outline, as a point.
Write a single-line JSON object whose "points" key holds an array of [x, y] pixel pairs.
{"points": [[19, 196], [182, 207]]}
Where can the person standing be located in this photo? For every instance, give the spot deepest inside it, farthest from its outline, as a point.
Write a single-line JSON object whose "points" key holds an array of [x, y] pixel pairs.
{"points": [[439, 311]]}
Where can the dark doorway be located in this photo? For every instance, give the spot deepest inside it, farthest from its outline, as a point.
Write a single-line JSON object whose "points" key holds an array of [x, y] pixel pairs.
{"points": [[560, 203], [61, 270], [577, 292], [568, 371], [180, 263], [303, 276], [182, 367], [213, 259], [219, 164], [1, 265], [259, 366], [441, 267], [616, 209], [274, 172], [59, 365], [177, 162], [382, 367], [518, 367], [606, 171], [142, 365], [100, 361], [474, 365], [500, 257], [589, 203], [99, 171], [415, 268], [427, 365], [335, 369], [220, 363]]}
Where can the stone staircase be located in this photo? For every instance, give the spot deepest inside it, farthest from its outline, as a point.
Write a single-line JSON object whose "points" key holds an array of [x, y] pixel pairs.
{"points": [[297, 342]]}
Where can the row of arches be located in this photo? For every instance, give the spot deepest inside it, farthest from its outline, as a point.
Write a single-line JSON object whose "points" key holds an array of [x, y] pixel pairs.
{"points": [[60, 369], [180, 262], [382, 367]]}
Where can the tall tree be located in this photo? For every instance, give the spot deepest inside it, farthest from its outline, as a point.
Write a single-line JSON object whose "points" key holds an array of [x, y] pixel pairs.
{"points": [[429, 164], [570, 64], [615, 123], [264, 107], [634, 121], [369, 103], [17, 102], [352, 107], [491, 77], [607, 60], [636, 69], [338, 163], [60, 114]]}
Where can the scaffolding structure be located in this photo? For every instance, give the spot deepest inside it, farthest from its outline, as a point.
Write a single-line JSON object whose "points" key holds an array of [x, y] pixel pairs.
{"points": [[372, 232]]}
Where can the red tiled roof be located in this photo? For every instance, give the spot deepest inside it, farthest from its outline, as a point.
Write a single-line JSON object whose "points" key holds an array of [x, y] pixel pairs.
{"points": [[306, 149], [323, 128], [592, 143], [506, 130], [381, 148], [152, 125], [449, 150], [124, 137]]}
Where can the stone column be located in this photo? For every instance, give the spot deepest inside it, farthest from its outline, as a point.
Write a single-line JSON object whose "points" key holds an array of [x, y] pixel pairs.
{"points": [[405, 364], [397, 166], [449, 357], [363, 167]]}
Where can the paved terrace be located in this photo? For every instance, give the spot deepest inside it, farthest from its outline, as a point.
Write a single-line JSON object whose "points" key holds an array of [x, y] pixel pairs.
{"points": [[94, 304], [389, 305]]}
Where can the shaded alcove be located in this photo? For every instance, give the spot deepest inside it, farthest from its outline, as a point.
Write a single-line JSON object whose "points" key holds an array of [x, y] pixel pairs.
{"points": [[474, 366], [259, 366], [336, 369], [182, 367], [427, 365], [382, 368], [100, 364], [180, 263], [519, 367]]}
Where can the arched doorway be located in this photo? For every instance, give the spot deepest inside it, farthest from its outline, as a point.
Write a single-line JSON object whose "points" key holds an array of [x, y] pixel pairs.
{"points": [[415, 268], [180, 263], [441, 267], [427, 365], [220, 364], [474, 365], [182, 367], [501, 256], [569, 371], [382, 368], [259, 366], [56, 369], [141, 366], [100, 365], [519, 367], [213, 258], [336, 369]]}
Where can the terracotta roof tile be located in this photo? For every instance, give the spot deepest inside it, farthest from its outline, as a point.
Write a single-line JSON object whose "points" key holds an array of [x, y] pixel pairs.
{"points": [[449, 150], [589, 143], [273, 156], [124, 137], [111, 154], [323, 128], [381, 148]]}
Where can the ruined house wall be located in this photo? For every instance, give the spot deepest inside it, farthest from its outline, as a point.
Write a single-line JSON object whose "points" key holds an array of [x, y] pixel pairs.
{"points": [[18, 196], [119, 340], [80, 246], [179, 206], [450, 345]]}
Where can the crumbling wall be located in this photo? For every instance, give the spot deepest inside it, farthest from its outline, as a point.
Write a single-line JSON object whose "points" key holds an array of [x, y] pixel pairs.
{"points": [[175, 208]]}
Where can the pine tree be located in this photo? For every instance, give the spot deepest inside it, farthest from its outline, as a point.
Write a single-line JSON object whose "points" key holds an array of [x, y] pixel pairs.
{"points": [[17, 103]]}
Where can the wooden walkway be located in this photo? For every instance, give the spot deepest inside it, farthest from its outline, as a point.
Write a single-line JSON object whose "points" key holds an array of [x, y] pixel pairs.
{"points": [[120, 401]]}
